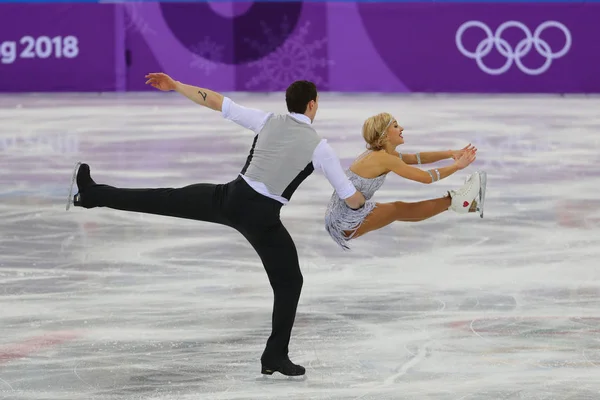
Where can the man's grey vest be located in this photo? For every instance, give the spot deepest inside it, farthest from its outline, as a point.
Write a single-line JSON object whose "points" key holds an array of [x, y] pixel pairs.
{"points": [[281, 155]]}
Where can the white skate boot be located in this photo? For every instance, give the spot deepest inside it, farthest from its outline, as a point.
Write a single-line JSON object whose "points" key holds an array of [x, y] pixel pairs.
{"points": [[463, 198], [477, 205]]}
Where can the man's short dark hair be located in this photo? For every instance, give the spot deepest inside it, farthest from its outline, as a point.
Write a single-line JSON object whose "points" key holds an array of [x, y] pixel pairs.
{"points": [[299, 94]]}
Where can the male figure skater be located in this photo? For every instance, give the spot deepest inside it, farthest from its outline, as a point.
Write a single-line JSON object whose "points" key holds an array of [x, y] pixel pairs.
{"points": [[285, 151]]}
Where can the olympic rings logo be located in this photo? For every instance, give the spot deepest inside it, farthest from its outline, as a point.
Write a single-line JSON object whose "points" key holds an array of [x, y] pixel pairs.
{"points": [[505, 49]]}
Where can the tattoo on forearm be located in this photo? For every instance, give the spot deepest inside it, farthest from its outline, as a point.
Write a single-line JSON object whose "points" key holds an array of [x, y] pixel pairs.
{"points": [[203, 94]]}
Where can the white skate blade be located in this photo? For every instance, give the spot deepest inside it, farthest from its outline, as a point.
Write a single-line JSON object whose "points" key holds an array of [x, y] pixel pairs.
{"points": [[482, 187], [70, 198]]}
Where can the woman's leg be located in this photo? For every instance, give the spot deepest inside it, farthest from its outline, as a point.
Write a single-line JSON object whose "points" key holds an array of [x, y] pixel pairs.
{"points": [[386, 213]]}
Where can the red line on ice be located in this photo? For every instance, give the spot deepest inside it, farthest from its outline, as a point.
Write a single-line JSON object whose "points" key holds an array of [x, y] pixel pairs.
{"points": [[36, 344]]}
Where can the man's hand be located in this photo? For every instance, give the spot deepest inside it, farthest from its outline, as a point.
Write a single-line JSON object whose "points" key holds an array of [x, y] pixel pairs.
{"points": [[356, 201], [161, 81]]}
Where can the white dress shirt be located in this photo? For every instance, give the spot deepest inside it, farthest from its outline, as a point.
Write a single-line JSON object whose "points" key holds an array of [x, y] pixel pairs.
{"points": [[324, 158]]}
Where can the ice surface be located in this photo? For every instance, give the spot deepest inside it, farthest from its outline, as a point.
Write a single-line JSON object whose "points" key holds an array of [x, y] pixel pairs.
{"points": [[103, 304]]}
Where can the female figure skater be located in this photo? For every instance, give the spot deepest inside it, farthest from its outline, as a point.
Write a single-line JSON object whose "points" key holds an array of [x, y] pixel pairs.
{"points": [[383, 134]]}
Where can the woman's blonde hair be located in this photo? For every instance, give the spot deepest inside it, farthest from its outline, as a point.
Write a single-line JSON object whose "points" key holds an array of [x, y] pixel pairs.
{"points": [[374, 129]]}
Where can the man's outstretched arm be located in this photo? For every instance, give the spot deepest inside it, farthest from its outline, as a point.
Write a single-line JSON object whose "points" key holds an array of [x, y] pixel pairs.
{"points": [[249, 118], [204, 97]]}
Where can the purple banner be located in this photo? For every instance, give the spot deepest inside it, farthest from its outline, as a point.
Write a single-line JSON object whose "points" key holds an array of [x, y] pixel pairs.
{"points": [[488, 47], [61, 47], [347, 47]]}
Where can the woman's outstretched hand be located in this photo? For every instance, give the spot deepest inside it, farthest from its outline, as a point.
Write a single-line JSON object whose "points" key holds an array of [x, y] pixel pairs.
{"points": [[457, 154], [467, 157]]}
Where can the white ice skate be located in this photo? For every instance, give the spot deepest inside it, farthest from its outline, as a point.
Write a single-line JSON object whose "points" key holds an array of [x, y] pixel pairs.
{"points": [[483, 184], [463, 198], [481, 198]]}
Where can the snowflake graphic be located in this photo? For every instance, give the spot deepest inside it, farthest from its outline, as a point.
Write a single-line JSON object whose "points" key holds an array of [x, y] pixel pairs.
{"points": [[136, 22], [294, 58], [206, 55]]}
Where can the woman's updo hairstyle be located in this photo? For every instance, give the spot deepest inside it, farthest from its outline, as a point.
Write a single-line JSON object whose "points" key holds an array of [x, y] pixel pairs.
{"points": [[374, 129]]}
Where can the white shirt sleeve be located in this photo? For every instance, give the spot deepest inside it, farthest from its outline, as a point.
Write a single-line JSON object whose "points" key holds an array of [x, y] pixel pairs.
{"points": [[325, 160], [249, 118]]}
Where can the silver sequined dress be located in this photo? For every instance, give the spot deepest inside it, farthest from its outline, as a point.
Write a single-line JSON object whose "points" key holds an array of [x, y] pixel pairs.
{"points": [[339, 217]]}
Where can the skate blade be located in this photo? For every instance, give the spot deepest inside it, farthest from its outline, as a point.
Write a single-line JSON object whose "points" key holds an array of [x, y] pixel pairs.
{"points": [[482, 188], [70, 198], [278, 377]]}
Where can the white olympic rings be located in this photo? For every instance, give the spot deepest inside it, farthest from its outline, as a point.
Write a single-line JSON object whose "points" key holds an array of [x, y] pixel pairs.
{"points": [[505, 49]]}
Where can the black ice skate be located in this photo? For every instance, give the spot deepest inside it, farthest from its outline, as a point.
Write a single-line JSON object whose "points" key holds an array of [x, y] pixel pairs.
{"points": [[81, 176], [284, 367]]}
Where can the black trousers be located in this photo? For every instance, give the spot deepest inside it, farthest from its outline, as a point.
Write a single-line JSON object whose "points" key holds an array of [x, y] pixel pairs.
{"points": [[236, 205]]}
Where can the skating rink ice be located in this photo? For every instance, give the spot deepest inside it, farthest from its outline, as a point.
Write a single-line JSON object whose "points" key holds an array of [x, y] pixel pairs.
{"points": [[103, 304]]}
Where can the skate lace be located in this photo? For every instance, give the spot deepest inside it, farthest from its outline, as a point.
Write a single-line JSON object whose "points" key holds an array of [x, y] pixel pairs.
{"points": [[466, 188]]}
